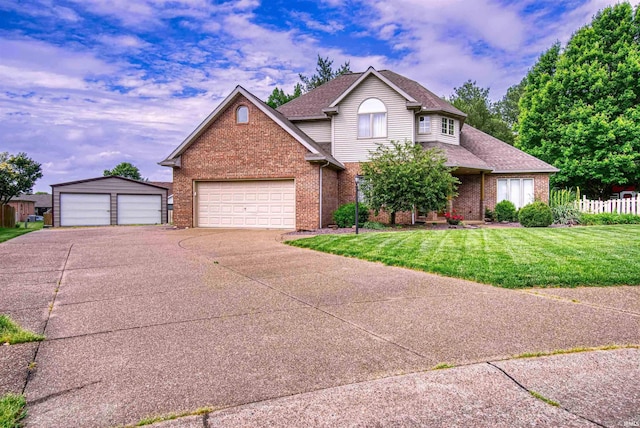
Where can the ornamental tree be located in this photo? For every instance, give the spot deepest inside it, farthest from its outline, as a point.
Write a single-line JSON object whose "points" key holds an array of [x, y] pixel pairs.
{"points": [[18, 174], [580, 110], [404, 176]]}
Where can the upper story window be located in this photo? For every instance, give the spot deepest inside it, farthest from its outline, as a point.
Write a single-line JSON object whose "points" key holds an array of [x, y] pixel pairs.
{"points": [[424, 125], [448, 126], [372, 119], [242, 114]]}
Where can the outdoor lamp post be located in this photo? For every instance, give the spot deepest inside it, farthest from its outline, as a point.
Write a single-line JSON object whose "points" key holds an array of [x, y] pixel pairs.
{"points": [[357, 202]]}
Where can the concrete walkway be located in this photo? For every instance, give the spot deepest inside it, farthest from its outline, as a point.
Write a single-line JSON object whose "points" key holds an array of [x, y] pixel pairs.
{"points": [[149, 321]]}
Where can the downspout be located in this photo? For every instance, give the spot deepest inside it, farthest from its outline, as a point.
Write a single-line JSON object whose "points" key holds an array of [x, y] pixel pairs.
{"points": [[320, 192], [482, 207]]}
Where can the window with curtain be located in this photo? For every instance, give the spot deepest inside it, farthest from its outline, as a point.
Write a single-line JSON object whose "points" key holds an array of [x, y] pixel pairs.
{"points": [[517, 190], [372, 119]]}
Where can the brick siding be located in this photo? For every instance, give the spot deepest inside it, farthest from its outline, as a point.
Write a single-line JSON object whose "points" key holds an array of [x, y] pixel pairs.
{"points": [[258, 150], [540, 187]]}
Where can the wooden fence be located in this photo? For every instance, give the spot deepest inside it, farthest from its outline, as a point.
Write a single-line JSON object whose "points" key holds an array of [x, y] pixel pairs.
{"points": [[620, 206], [7, 216], [170, 216]]}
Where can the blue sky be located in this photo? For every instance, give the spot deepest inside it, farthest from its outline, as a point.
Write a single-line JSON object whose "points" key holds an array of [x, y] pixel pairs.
{"points": [[87, 84]]}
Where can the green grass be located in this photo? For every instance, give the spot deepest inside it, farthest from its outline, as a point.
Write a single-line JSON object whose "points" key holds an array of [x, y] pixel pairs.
{"points": [[544, 399], [10, 233], [12, 410], [12, 333], [509, 257]]}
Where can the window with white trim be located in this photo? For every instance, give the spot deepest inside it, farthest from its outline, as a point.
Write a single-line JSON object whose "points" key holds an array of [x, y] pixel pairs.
{"points": [[448, 126], [372, 119], [517, 190], [242, 114], [424, 125]]}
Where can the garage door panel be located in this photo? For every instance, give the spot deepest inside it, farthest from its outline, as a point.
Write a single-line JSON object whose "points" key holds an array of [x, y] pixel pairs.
{"points": [[84, 209], [139, 209], [265, 204]]}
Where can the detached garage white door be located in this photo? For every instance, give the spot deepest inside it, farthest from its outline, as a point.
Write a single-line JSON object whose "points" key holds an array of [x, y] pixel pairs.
{"points": [[258, 204], [139, 209], [84, 209]]}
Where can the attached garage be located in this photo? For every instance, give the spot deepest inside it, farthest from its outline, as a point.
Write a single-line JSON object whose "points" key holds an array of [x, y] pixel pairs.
{"points": [[246, 204], [107, 201]]}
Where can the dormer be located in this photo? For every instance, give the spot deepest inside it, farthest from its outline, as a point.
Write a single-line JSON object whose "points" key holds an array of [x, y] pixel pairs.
{"points": [[437, 127]]}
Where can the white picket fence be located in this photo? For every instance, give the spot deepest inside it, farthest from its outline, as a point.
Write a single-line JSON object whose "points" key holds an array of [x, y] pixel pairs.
{"points": [[620, 206]]}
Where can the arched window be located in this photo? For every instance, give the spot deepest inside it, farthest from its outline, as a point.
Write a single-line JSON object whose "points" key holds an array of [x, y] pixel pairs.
{"points": [[242, 114], [372, 119]]}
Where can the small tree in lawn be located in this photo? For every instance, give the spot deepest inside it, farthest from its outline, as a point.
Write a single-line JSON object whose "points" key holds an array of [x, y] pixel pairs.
{"points": [[404, 176], [18, 174]]}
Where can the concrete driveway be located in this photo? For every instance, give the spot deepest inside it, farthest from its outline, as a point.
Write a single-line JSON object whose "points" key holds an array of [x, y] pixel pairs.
{"points": [[150, 321]]}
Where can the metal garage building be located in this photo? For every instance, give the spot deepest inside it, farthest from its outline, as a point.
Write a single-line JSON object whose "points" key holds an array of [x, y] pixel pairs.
{"points": [[105, 201]]}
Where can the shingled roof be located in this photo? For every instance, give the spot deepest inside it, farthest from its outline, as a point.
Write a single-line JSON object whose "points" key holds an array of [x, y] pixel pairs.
{"points": [[502, 157], [477, 150], [311, 104]]}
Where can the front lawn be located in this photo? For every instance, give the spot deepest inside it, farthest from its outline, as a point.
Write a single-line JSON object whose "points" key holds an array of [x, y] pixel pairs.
{"points": [[9, 233], [512, 258]]}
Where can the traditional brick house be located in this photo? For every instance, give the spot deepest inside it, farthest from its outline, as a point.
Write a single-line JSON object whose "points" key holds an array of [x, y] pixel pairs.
{"points": [[248, 165]]}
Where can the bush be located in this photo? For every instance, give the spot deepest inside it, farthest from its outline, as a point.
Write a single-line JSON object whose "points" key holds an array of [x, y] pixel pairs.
{"points": [[608, 218], [505, 211], [375, 225], [346, 214], [565, 214], [536, 214], [489, 215]]}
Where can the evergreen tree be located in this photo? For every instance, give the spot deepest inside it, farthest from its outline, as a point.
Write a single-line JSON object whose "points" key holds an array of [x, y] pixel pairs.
{"points": [[580, 110]]}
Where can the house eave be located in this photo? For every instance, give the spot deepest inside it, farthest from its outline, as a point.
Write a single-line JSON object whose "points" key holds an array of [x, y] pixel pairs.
{"points": [[371, 71], [316, 158], [174, 163], [308, 118], [526, 171]]}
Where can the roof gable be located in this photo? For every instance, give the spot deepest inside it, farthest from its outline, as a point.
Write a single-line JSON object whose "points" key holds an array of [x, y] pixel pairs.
{"points": [[310, 105], [277, 117], [109, 177], [371, 71]]}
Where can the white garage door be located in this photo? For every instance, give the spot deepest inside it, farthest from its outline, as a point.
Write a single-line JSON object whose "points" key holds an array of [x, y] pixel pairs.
{"points": [[84, 209], [258, 204], [139, 209]]}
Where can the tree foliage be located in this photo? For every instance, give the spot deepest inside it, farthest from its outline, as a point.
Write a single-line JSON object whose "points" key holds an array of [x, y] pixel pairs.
{"points": [[404, 176], [508, 108], [580, 110], [126, 170], [18, 174], [279, 97], [481, 113], [324, 73]]}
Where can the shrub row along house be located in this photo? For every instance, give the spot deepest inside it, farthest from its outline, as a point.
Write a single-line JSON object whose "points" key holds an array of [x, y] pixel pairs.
{"points": [[248, 165]]}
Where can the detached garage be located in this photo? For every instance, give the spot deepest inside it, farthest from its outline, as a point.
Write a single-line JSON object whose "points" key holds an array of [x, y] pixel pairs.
{"points": [[105, 201]]}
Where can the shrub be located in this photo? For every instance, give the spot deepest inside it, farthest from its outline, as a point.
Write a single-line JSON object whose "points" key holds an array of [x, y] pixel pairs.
{"points": [[346, 214], [536, 214], [608, 218], [489, 215], [505, 211], [565, 214], [375, 225]]}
